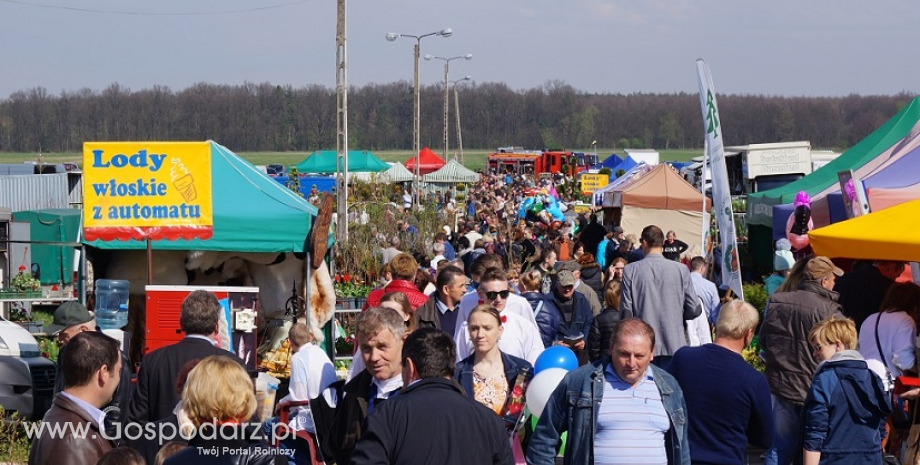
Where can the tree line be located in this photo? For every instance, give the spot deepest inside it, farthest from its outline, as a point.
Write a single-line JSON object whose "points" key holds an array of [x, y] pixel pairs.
{"points": [[267, 117]]}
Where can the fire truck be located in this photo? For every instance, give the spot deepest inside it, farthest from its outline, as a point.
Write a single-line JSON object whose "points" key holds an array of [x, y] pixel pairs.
{"points": [[519, 161]]}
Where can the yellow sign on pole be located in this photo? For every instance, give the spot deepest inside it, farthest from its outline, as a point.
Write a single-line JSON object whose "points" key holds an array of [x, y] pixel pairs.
{"points": [[147, 190], [593, 182]]}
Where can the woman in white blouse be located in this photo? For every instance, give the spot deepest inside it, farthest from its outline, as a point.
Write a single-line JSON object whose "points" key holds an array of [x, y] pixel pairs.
{"points": [[897, 330]]}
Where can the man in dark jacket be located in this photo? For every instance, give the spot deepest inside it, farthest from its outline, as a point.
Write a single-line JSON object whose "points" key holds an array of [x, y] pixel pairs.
{"points": [[432, 421], [592, 235], [576, 314], [72, 318], [862, 290], [91, 371], [441, 309], [155, 397], [379, 332], [789, 358]]}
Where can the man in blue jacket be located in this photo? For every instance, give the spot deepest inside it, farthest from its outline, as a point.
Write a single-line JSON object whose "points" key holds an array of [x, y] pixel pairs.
{"points": [[616, 407]]}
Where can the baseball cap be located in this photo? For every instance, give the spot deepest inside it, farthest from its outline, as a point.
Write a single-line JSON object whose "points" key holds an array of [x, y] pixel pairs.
{"points": [[571, 265], [821, 267], [566, 278], [69, 314], [617, 230]]}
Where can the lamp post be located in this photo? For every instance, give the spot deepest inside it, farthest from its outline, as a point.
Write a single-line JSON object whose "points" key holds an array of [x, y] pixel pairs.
{"points": [[392, 36], [468, 56], [457, 111]]}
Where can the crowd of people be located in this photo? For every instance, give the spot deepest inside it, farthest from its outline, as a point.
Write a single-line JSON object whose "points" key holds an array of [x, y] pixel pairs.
{"points": [[449, 340]]}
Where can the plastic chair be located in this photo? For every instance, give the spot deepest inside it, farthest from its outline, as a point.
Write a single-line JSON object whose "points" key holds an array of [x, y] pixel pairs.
{"points": [[283, 428]]}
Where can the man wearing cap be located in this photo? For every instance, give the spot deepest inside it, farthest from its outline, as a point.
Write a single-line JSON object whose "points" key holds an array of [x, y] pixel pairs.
{"points": [[593, 303], [576, 314], [789, 358], [72, 318]]}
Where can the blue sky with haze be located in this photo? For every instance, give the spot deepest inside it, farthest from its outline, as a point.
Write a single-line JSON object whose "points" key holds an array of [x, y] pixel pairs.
{"points": [[780, 47]]}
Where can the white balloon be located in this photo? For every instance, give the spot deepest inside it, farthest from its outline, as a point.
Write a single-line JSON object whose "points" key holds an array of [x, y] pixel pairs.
{"points": [[541, 387]]}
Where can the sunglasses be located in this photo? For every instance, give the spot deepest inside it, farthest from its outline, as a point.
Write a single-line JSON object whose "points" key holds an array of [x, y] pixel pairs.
{"points": [[491, 295]]}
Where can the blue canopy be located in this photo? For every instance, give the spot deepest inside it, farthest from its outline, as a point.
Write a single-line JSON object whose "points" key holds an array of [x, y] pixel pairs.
{"points": [[612, 161], [627, 165]]}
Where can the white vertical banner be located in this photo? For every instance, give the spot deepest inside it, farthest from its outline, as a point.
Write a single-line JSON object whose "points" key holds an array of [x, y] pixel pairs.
{"points": [[721, 195]]}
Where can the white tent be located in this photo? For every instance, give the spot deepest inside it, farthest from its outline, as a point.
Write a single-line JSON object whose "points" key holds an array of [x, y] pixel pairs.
{"points": [[452, 172], [397, 173]]}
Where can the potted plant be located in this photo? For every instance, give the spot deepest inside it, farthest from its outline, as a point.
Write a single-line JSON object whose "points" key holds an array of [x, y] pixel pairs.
{"points": [[25, 284]]}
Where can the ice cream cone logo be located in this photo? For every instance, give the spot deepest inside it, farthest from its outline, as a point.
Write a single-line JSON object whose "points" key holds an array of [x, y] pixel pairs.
{"points": [[182, 180]]}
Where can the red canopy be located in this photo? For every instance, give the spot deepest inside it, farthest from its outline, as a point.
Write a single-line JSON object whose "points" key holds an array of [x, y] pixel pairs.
{"points": [[430, 162]]}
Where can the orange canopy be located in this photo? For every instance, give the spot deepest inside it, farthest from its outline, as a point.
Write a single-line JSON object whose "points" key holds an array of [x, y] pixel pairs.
{"points": [[664, 189]]}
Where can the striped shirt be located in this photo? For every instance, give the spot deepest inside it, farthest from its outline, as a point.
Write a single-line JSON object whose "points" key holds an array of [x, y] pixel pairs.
{"points": [[631, 423]]}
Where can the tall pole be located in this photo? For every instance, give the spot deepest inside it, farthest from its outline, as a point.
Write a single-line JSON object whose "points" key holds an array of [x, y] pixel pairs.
{"points": [[392, 36], [446, 104], [341, 138], [416, 127], [468, 56], [457, 112], [459, 137]]}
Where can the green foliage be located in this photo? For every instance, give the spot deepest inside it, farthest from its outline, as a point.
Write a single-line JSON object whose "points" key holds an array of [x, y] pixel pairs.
{"points": [[293, 182], [669, 129], [604, 170], [14, 444], [23, 281], [756, 295], [620, 172], [752, 355]]}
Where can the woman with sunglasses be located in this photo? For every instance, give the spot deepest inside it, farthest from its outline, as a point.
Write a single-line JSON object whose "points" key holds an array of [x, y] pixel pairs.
{"points": [[488, 375]]}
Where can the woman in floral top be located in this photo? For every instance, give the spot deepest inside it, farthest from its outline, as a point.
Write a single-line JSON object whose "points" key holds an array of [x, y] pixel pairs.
{"points": [[488, 375]]}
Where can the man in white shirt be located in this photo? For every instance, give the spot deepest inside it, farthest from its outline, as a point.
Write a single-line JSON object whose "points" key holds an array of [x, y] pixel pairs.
{"points": [[438, 249], [520, 338], [513, 304]]}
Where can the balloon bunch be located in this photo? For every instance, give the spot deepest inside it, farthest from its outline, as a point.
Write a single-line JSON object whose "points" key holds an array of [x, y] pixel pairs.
{"points": [[551, 367], [541, 207], [799, 222]]}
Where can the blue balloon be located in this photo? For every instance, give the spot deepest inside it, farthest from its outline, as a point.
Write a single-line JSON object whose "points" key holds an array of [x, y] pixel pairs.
{"points": [[556, 357]]}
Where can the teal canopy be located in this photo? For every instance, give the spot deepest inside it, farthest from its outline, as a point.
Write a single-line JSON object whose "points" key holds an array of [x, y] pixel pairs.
{"points": [[252, 213], [324, 161], [760, 204]]}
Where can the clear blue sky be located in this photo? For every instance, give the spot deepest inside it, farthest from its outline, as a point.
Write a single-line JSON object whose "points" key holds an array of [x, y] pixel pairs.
{"points": [[781, 47]]}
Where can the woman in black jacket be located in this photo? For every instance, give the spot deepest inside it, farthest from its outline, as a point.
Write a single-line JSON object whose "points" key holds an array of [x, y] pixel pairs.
{"points": [[591, 274], [603, 324]]}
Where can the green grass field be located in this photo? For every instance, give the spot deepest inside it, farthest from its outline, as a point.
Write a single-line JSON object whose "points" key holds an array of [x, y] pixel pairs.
{"points": [[473, 159]]}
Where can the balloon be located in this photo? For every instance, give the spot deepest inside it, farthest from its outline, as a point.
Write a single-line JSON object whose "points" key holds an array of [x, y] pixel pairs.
{"points": [[556, 357], [541, 387], [799, 222], [799, 241]]}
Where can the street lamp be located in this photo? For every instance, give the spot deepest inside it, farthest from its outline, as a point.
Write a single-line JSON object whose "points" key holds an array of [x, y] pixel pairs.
{"points": [[457, 110], [392, 36], [468, 56]]}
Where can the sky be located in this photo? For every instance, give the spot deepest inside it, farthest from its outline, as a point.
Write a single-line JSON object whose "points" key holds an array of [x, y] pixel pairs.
{"points": [[780, 47]]}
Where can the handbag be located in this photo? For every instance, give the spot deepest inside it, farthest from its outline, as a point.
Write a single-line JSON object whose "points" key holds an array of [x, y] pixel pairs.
{"points": [[900, 417]]}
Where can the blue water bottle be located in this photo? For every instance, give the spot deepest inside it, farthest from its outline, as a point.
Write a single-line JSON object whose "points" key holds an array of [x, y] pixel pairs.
{"points": [[111, 303]]}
